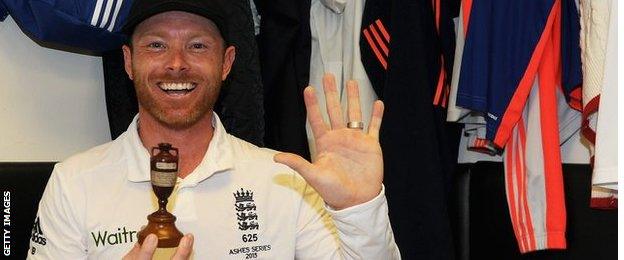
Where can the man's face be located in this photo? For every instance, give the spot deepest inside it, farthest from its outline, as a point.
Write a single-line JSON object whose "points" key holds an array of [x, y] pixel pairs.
{"points": [[177, 62]]}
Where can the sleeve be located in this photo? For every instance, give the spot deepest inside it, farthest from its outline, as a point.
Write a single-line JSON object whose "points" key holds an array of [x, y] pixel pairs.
{"points": [[56, 233], [71, 23], [359, 232]]}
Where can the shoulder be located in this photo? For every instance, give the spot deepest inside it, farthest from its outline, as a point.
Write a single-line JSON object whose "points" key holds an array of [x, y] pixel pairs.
{"points": [[91, 160], [244, 151], [252, 158], [253, 162]]}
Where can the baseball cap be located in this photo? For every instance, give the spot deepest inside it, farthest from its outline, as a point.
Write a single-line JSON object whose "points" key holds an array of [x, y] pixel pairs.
{"points": [[214, 10]]}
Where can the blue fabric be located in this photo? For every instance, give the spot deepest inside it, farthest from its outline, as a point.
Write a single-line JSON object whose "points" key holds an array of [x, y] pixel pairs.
{"points": [[501, 38], [570, 48], [3, 12], [68, 22]]}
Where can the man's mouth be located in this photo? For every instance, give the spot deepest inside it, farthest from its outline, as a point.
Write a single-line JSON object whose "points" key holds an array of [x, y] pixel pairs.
{"points": [[177, 88]]}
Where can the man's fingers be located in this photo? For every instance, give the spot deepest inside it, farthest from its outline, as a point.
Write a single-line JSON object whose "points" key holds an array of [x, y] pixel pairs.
{"points": [[148, 247], [185, 248], [333, 102], [353, 101], [314, 113], [376, 116], [133, 253], [297, 163], [144, 251]]}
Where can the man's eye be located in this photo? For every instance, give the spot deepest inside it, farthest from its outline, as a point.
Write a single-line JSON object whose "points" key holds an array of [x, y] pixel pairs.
{"points": [[156, 45], [198, 46]]}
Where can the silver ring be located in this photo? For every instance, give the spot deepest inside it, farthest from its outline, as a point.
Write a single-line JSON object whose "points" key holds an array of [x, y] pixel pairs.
{"points": [[355, 125]]}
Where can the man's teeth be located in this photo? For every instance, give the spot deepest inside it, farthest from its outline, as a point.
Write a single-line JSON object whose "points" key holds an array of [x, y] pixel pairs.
{"points": [[177, 86]]}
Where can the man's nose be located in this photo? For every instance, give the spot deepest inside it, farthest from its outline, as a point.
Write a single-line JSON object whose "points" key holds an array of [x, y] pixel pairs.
{"points": [[177, 62]]}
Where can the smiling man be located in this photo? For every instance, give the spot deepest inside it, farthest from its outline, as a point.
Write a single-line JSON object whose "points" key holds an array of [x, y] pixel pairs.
{"points": [[233, 199]]}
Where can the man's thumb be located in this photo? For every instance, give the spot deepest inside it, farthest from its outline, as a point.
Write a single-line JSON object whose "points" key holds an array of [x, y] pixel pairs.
{"points": [[297, 163]]}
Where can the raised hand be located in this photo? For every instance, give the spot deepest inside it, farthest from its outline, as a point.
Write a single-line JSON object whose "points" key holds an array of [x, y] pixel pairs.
{"points": [[348, 168]]}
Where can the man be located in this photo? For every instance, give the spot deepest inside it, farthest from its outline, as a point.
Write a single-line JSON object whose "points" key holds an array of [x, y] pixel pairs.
{"points": [[95, 202]]}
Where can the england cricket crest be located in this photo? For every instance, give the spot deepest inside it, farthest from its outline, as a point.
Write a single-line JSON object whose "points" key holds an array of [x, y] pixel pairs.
{"points": [[245, 210], [252, 245]]}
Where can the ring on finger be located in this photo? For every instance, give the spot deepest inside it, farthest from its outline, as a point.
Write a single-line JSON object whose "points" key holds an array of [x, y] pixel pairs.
{"points": [[355, 125]]}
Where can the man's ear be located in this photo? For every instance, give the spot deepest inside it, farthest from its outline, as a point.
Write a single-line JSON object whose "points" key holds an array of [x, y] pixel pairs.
{"points": [[228, 60], [127, 53]]}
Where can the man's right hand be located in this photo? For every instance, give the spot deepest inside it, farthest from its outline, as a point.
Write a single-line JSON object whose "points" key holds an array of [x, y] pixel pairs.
{"points": [[146, 251]]}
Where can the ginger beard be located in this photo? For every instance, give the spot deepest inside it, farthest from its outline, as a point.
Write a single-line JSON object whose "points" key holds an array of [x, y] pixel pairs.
{"points": [[176, 115]]}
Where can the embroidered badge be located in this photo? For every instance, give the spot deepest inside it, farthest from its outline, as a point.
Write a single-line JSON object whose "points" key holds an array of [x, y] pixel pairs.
{"points": [[247, 220], [246, 210]]}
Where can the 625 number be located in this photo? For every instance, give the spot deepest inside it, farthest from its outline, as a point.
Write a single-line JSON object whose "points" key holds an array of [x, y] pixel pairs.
{"points": [[250, 237]]}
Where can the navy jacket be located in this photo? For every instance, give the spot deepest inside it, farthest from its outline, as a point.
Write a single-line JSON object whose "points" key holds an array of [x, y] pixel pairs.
{"points": [[92, 25]]}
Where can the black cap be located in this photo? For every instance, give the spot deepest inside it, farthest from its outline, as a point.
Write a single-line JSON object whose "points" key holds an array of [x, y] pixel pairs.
{"points": [[214, 10]]}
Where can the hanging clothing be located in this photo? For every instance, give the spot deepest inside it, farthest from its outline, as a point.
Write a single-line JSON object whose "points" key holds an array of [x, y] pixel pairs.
{"points": [[121, 100], [523, 89], [473, 145], [599, 45], [401, 53], [88, 25], [444, 11], [335, 31], [241, 101], [284, 49], [493, 77], [3, 12], [454, 113]]}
